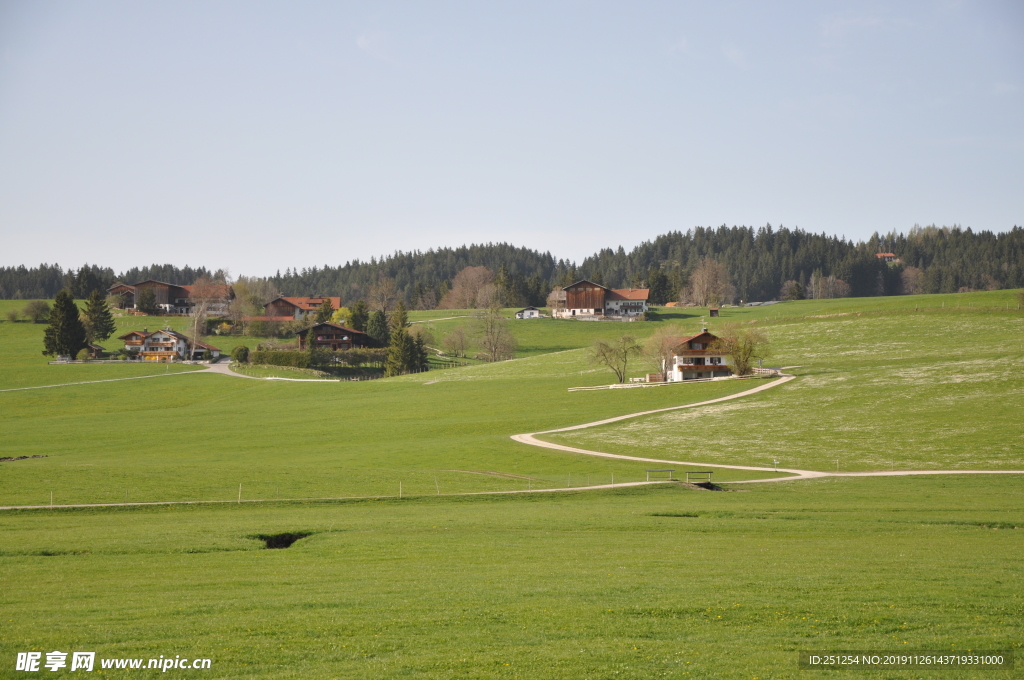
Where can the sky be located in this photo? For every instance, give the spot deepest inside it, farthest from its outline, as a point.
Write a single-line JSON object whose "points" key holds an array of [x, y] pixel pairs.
{"points": [[258, 136]]}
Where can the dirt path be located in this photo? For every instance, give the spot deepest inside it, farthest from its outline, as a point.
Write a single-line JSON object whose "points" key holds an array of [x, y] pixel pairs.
{"points": [[791, 473], [90, 382]]}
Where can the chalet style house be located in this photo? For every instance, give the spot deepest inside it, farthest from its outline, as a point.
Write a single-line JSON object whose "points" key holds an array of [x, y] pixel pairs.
{"points": [[164, 346], [589, 300], [291, 308], [694, 360], [171, 299], [332, 336]]}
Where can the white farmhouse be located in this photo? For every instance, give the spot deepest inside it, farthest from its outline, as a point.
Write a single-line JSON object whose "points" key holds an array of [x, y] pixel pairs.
{"points": [[696, 360]]}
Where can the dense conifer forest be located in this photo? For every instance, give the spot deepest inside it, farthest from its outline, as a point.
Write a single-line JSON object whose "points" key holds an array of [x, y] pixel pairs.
{"points": [[761, 262]]}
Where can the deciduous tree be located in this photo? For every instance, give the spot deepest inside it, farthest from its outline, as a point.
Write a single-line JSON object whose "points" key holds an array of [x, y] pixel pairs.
{"points": [[744, 345], [496, 339], [709, 284], [36, 311], [791, 290], [471, 288], [456, 342], [204, 292], [616, 354]]}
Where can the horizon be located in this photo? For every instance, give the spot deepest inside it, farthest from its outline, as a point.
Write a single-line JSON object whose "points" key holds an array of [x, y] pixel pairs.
{"points": [[232, 275]]}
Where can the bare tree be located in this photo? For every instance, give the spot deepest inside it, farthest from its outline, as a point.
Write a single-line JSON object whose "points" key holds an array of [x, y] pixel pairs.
{"points": [[383, 296], [912, 279], [496, 339], [556, 299], [826, 287], [743, 345], [203, 293], [427, 300], [615, 355], [791, 290], [469, 290], [456, 342], [488, 296], [421, 332], [709, 285], [661, 346]]}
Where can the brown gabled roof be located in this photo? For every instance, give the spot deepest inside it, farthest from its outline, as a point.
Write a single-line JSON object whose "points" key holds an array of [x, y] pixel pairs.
{"points": [[885, 254], [180, 336], [334, 326], [308, 304], [629, 294], [223, 290], [267, 318], [586, 281], [220, 290]]}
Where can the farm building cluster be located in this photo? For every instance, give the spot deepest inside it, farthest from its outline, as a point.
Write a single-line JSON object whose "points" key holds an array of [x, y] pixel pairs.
{"points": [[173, 299], [588, 300]]}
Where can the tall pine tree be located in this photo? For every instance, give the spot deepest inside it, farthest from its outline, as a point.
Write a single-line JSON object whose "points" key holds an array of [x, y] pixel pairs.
{"points": [[65, 336], [358, 318], [100, 323], [324, 312], [377, 328]]}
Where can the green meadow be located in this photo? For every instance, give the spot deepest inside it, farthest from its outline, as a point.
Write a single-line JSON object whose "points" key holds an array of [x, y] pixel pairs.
{"points": [[640, 582]]}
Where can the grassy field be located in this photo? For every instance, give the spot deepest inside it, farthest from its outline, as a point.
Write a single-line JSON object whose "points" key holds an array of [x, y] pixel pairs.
{"points": [[631, 583], [585, 585]]}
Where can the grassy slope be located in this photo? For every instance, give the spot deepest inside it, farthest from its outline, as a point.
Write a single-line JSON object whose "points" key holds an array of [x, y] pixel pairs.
{"points": [[194, 437], [576, 586], [935, 389]]}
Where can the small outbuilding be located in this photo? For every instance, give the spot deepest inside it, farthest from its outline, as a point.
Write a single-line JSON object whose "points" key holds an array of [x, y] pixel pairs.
{"points": [[528, 313], [713, 311]]}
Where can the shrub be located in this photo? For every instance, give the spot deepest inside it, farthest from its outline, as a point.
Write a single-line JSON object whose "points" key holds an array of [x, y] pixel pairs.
{"points": [[37, 311], [12, 315], [83, 354], [207, 355], [240, 354]]}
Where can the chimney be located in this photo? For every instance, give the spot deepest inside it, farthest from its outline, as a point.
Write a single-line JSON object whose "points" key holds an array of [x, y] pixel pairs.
{"points": [[145, 330], [703, 330]]}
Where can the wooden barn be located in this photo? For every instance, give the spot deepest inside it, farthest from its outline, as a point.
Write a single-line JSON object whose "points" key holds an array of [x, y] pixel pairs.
{"points": [[588, 299]]}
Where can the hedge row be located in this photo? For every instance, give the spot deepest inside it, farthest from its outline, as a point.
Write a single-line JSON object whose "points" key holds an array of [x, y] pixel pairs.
{"points": [[280, 358], [302, 359]]}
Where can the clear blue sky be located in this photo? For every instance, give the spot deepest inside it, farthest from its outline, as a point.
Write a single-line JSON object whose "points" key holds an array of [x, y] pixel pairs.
{"points": [[264, 135]]}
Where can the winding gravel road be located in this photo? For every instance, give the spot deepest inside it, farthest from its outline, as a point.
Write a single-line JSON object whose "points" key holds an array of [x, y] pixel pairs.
{"points": [[792, 473]]}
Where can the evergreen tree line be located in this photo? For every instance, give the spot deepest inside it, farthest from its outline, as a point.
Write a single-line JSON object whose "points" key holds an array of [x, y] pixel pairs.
{"points": [[761, 261], [422, 279], [46, 280], [762, 264]]}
